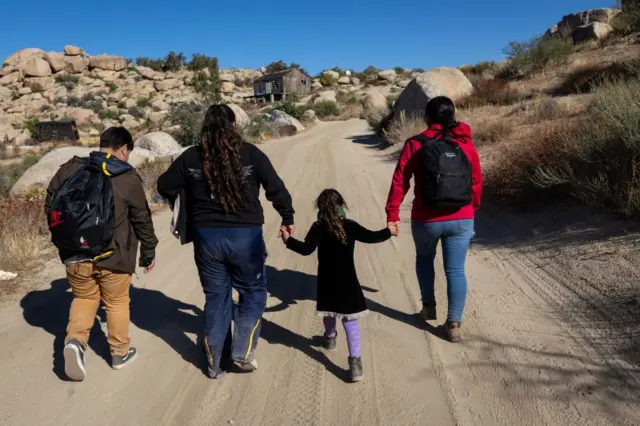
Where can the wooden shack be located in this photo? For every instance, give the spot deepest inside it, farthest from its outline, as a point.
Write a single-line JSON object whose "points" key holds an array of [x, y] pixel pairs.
{"points": [[57, 131], [276, 86]]}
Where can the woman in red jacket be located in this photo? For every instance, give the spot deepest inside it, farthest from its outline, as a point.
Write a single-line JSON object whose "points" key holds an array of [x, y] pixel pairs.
{"points": [[429, 225]]}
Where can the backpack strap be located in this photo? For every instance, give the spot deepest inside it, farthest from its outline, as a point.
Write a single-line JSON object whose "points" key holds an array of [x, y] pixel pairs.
{"points": [[420, 138]]}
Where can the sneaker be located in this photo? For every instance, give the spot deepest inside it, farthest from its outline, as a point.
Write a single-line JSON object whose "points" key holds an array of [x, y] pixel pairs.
{"points": [[247, 366], [329, 343], [428, 312], [355, 369], [118, 361], [453, 331], [74, 360]]}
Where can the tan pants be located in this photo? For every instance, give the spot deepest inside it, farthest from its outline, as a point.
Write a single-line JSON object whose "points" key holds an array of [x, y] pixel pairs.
{"points": [[89, 284]]}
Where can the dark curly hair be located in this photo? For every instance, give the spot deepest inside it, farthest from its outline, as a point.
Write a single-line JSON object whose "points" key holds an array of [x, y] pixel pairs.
{"points": [[441, 110], [220, 146], [329, 205]]}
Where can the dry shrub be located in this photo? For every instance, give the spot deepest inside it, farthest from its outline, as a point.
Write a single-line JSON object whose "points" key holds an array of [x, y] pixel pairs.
{"points": [[491, 92], [23, 231], [150, 171], [399, 130], [489, 132], [546, 110], [589, 78], [594, 159]]}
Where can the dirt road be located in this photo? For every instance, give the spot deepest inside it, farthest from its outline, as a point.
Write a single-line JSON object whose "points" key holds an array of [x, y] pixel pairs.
{"points": [[522, 360]]}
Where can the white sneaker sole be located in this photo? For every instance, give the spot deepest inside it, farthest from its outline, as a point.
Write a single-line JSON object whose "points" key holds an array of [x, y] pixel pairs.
{"points": [[129, 361], [73, 365], [247, 366]]}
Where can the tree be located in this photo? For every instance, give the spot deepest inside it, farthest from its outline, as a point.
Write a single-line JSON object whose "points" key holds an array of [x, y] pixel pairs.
{"points": [[282, 65], [174, 61]]}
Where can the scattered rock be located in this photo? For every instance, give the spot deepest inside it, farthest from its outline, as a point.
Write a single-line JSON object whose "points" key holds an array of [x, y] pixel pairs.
{"points": [[56, 61], [164, 85], [25, 90], [227, 87], [83, 116], [279, 118], [146, 72], [76, 64], [309, 116], [374, 101], [387, 75], [403, 83], [242, 118], [592, 31], [316, 85], [6, 276], [355, 80], [334, 75], [39, 84], [94, 132], [160, 144], [445, 81], [344, 80], [11, 79], [108, 62], [160, 105], [36, 67], [569, 23], [73, 50], [22, 55], [22, 138], [327, 95]]}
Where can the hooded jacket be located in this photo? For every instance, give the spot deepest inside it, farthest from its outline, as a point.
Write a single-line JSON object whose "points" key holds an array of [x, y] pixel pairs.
{"points": [[408, 167], [133, 221]]}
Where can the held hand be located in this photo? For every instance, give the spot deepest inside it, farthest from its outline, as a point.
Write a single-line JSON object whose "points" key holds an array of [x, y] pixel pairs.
{"points": [[289, 229], [150, 267], [285, 235], [394, 227]]}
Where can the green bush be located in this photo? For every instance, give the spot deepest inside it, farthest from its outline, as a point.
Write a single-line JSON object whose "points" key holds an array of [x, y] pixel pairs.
{"points": [[189, 117], [368, 74], [109, 114], [628, 21], [290, 108], [9, 174], [326, 109], [282, 65], [30, 124], [154, 64], [589, 78], [112, 87], [136, 112], [174, 62], [201, 62], [257, 130], [327, 80], [531, 57], [68, 81], [143, 103]]}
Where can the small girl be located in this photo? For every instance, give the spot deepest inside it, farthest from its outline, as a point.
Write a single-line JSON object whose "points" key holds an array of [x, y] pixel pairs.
{"points": [[339, 293]]}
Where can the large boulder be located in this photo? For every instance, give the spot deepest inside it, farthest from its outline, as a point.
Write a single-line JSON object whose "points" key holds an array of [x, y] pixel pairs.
{"points": [[160, 144], [333, 75], [443, 81], [22, 56], [38, 176], [146, 72], [11, 79], [5, 93], [36, 67], [569, 23], [39, 84], [344, 80], [164, 85], [83, 116], [56, 61], [227, 87], [70, 50], [242, 118], [279, 118], [327, 95], [592, 31], [108, 62], [387, 75], [76, 64], [375, 101]]}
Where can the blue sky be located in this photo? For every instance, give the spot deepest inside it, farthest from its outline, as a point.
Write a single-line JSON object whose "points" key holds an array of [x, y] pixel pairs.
{"points": [[318, 35]]}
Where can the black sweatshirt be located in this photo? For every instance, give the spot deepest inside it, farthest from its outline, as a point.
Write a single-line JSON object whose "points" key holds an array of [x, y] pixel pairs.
{"points": [[204, 212], [339, 292]]}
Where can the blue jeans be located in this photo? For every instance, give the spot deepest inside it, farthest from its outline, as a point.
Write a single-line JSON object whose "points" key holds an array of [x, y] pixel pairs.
{"points": [[456, 236], [230, 258]]}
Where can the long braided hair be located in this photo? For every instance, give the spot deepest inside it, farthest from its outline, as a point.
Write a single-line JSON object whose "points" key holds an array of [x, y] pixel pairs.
{"points": [[331, 205], [441, 110], [220, 146]]}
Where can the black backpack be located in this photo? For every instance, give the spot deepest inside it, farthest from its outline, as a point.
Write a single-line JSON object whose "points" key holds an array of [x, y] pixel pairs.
{"points": [[446, 173], [82, 214]]}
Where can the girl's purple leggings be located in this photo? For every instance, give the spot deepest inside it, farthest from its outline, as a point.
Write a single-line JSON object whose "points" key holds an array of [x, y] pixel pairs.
{"points": [[352, 330]]}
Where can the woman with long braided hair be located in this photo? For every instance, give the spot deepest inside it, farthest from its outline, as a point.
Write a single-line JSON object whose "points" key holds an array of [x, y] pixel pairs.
{"points": [[220, 180], [339, 293]]}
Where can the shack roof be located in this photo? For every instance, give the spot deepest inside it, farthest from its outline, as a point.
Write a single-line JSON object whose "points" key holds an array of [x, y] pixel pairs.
{"points": [[277, 74]]}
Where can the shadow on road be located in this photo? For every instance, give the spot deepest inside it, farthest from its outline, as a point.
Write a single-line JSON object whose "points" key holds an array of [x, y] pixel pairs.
{"points": [[151, 311]]}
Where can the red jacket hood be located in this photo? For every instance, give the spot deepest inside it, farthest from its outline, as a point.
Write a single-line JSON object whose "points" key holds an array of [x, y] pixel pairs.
{"points": [[461, 133]]}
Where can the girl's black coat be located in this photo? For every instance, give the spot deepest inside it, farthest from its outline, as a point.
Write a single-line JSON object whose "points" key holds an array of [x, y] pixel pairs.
{"points": [[339, 292]]}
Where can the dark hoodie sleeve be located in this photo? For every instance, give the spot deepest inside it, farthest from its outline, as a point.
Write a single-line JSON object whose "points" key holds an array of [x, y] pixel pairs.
{"points": [[140, 218], [364, 235], [173, 180], [308, 246], [275, 190]]}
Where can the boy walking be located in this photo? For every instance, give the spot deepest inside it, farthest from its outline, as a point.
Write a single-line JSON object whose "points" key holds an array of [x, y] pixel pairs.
{"points": [[97, 212]]}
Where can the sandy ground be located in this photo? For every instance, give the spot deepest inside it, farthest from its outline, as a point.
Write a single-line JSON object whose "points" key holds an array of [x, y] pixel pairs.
{"points": [[541, 346]]}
